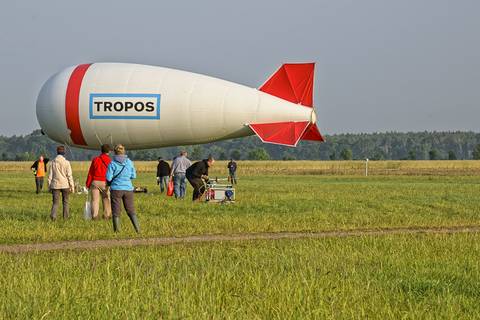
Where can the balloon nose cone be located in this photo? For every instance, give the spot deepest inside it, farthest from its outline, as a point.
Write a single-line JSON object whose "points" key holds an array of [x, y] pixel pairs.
{"points": [[51, 107], [313, 117]]}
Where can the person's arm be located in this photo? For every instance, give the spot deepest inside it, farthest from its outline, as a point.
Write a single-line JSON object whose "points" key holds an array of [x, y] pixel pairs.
{"points": [[33, 167], [91, 171], [109, 174], [70, 177], [133, 172], [174, 166], [50, 177], [205, 173], [158, 173]]}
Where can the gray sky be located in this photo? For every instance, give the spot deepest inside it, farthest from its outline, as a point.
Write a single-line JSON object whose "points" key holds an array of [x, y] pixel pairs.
{"points": [[381, 64]]}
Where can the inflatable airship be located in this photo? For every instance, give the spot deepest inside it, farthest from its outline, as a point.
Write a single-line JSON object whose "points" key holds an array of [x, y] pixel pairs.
{"points": [[144, 106]]}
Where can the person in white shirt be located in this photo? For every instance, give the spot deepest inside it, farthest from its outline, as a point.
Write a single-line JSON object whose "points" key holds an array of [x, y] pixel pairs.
{"points": [[60, 182]]}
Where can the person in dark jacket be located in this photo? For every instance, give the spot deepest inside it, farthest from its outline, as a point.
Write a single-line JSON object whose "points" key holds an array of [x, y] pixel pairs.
{"points": [[163, 173], [196, 173], [39, 168], [232, 171]]}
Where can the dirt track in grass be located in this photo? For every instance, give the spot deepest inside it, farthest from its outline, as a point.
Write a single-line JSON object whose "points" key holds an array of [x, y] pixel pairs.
{"points": [[162, 241]]}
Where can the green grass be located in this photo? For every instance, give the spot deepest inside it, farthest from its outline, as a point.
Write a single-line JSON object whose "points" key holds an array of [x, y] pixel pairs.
{"points": [[376, 277], [391, 277], [266, 203]]}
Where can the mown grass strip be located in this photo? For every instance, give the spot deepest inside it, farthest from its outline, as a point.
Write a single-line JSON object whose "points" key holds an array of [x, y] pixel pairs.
{"points": [[162, 241]]}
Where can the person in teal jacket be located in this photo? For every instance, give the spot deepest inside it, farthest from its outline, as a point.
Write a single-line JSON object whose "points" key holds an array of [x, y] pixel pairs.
{"points": [[120, 173]]}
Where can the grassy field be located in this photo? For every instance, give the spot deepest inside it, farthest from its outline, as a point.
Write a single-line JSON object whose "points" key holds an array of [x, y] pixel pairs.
{"points": [[266, 203], [422, 276], [401, 277], [249, 168]]}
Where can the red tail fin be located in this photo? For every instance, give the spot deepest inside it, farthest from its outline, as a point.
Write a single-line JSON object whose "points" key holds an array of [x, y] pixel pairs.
{"points": [[292, 82], [284, 133], [287, 133], [312, 133]]}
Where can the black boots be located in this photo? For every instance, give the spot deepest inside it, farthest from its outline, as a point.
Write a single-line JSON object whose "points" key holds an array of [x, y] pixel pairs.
{"points": [[133, 219], [116, 224]]}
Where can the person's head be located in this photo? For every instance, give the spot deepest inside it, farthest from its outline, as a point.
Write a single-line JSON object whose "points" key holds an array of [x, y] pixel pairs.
{"points": [[61, 150], [40, 158], [105, 148], [210, 161], [160, 159], [184, 153], [231, 160], [119, 149]]}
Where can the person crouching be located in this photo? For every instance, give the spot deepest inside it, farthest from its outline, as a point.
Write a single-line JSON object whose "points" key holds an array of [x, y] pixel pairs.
{"points": [[96, 183], [196, 173], [120, 172]]}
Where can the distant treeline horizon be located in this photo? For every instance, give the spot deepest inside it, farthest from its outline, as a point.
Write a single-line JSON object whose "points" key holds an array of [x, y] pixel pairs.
{"points": [[456, 145]]}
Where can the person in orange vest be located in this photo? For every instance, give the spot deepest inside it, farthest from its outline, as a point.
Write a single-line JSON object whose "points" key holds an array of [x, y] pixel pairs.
{"points": [[39, 168]]}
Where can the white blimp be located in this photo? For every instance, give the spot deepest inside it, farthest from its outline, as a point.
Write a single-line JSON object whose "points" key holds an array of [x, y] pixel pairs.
{"points": [[144, 106]]}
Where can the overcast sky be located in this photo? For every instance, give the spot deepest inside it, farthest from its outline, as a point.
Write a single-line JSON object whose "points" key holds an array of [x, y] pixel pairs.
{"points": [[405, 65]]}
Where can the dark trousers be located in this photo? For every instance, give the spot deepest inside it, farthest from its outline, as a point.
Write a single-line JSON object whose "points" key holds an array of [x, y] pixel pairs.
{"points": [[232, 175], [56, 201], [39, 183], [163, 182], [119, 197], [198, 187]]}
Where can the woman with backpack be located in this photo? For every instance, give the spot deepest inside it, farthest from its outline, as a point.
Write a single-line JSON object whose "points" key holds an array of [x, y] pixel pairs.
{"points": [[120, 172]]}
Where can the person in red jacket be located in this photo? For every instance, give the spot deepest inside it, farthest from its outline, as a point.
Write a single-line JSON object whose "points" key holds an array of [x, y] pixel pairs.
{"points": [[97, 183]]}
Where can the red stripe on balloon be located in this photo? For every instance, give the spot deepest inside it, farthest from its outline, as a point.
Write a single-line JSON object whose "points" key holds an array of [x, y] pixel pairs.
{"points": [[72, 97]]}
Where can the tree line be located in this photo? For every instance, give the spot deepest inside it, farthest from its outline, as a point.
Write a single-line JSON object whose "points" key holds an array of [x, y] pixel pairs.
{"points": [[456, 145]]}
